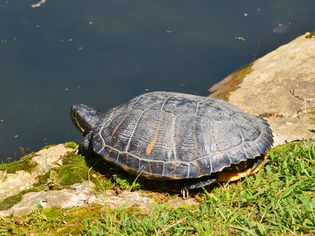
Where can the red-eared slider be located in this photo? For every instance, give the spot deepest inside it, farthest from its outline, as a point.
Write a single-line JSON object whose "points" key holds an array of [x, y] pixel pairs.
{"points": [[174, 136]]}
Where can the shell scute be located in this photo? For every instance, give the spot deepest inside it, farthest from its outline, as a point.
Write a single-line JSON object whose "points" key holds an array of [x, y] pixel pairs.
{"points": [[226, 135]]}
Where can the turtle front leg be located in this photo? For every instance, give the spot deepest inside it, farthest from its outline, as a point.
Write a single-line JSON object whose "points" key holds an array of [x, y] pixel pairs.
{"points": [[86, 144]]}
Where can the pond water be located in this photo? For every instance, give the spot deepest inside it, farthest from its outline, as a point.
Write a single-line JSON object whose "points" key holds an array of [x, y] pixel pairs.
{"points": [[104, 52]]}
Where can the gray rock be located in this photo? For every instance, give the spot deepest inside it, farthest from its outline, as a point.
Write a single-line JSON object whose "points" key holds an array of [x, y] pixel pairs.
{"points": [[79, 195], [12, 184]]}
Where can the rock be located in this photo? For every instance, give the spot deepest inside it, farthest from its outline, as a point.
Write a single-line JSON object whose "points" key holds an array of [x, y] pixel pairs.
{"points": [[280, 87], [49, 158], [12, 184], [126, 199], [78, 195]]}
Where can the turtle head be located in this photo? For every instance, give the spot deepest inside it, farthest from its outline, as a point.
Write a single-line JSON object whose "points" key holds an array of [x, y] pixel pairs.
{"points": [[84, 117]]}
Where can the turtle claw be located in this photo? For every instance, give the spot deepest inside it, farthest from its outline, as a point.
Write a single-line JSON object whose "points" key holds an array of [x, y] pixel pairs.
{"points": [[185, 193]]}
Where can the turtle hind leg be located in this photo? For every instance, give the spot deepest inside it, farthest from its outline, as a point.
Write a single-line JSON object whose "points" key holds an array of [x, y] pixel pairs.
{"points": [[203, 183], [198, 183]]}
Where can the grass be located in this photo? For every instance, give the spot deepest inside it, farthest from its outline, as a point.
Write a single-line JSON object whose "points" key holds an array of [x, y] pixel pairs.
{"points": [[278, 200]]}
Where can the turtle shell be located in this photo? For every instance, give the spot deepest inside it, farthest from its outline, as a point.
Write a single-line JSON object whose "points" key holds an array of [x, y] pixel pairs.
{"points": [[166, 135]]}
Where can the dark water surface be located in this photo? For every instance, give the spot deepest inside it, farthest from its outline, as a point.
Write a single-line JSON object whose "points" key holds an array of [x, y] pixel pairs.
{"points": [[104, 52]]}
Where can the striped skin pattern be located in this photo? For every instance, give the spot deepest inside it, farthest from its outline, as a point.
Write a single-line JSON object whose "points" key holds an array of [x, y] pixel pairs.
{"points": [[167, 135]]}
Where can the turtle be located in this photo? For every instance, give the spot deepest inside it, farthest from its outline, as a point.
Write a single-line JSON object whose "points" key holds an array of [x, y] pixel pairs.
{"points": [[170, 136]]}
